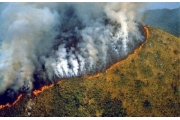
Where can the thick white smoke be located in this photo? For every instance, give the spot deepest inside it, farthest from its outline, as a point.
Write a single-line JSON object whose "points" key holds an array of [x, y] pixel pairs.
{"points": [[42, 42]]}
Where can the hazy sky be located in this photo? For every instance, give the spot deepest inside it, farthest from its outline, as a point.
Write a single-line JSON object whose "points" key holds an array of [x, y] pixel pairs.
{"points": [[151, 5], [160, 5]]}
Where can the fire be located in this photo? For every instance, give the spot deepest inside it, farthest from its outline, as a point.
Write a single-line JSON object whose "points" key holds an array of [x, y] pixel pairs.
{"points": [[9, 105], [6, 105], [146, 32], [35, 92], [92, 76], [17, 99]]}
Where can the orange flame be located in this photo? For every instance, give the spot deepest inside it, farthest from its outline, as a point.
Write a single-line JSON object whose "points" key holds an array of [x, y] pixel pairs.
{"points": [[146, 31], [35, 92], [9, 105], [92, 76], [17, 99]]}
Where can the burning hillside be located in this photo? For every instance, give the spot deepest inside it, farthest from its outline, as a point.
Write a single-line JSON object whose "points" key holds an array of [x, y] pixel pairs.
{"points": [[44, 42]]}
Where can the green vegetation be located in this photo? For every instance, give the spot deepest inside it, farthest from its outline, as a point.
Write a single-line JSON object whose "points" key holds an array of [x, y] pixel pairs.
{"points": [[147, 83]]}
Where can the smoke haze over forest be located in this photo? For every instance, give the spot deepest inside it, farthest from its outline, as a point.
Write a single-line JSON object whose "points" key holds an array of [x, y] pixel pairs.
{"points": [[43, 42]]}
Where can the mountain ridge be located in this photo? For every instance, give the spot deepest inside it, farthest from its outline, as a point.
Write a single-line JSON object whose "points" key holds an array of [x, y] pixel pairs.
{"points": [[165, 19]]}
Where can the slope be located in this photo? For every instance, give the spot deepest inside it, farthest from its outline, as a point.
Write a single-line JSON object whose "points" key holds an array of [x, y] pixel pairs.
{"points": [[146, 83]]}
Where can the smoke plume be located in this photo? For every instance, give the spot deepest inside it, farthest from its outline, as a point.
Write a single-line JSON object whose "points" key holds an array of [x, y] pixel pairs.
{"points": [[41, 43]]}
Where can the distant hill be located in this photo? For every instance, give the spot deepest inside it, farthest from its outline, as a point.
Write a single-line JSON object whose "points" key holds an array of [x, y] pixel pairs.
{"points": [[165, 19], [146, 83]]}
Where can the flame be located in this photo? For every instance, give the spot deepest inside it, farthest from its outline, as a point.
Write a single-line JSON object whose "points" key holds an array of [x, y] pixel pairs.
{"points": [[146, 31], [35, 92], [6, 105], [92, 76], [17, 99], [9, 105]]}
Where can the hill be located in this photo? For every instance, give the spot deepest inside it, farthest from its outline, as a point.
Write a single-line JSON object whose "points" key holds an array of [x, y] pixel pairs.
{"points": [[146, 83], [165, 19]]}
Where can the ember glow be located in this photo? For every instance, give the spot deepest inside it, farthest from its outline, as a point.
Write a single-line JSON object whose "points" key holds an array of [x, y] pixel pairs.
{"points": [[41, 43], [9, 105], [146, 31], [35, 92]]}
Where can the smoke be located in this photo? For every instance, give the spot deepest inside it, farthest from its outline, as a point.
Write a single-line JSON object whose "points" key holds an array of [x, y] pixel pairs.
{"points": [[43, 42]]}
